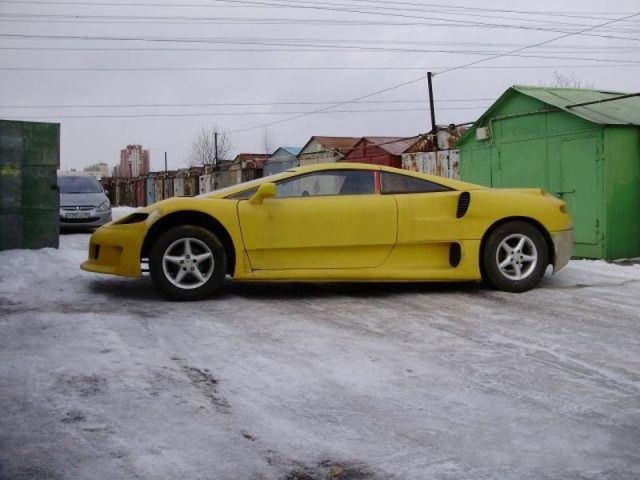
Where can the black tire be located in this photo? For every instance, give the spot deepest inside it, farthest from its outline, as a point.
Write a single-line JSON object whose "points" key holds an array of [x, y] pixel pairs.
{"points": [[216, 271], [490, 257]]}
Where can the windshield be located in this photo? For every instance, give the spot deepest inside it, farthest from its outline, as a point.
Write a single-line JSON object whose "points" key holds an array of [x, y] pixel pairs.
{"points": [[245, 185], [71, 184]]}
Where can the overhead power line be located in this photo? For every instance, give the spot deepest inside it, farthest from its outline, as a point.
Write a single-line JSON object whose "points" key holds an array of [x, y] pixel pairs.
{"points": [[572, 13], [351, 48], [539, 44], [284, 69], [104, 18], [400, 15], [222, 41], [466, 8], [356, 42], [310, 69], [423, 77], [228, 114], [581, 48], [326, 7], [460, 10], [610, 63], [237, 104], [384, 6]]}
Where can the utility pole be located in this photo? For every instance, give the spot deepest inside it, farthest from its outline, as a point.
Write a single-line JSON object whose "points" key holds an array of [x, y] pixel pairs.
{"points": [[434, 129], [215, 146], [165, 161]]}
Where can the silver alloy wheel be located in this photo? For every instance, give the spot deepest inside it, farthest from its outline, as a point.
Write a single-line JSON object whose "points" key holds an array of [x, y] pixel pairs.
{"points": [[188, 263], [516, 256]]}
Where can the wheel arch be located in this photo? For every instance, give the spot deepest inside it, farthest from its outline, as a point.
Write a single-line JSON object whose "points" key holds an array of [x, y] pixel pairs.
{"points": [[191, 217], [529, 220]]}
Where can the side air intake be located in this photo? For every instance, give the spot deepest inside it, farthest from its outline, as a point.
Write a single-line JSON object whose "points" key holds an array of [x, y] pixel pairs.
{"points": [[464, 200], [455, 254]]}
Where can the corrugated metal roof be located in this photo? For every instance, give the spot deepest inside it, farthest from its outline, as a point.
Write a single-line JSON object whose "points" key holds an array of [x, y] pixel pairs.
{"points": [[625, 111], [393, 145], [254, 159], [292, 150], [250, 156], [341, 144]]}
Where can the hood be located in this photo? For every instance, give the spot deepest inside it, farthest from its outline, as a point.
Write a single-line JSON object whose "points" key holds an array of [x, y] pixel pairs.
{"points": [[82, 199]]}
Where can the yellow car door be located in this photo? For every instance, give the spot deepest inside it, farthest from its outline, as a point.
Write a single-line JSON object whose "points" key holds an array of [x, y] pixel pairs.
{"points": [[426, 219], [331, 219]]}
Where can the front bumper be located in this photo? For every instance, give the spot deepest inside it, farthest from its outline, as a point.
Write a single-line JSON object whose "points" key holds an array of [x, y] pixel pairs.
{"points": [[563, 248], [115, 250]]}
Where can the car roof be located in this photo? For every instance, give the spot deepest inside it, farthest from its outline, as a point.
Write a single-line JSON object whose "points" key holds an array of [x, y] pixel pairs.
{"points": [[454, 184]]}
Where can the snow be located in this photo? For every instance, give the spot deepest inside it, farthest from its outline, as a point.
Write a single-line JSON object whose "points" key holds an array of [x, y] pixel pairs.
{"points": [[118, 212], [102, 378]]}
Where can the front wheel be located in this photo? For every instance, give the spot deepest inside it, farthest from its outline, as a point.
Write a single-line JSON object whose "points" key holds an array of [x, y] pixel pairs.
{"points": [[515, 257], [187, 263]]}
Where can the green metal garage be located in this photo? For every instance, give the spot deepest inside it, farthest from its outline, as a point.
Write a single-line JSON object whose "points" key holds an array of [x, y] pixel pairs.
{"points": [[29, 199], [581, 145]]}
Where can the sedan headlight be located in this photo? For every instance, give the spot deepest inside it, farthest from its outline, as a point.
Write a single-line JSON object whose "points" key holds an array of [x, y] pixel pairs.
{"points": [[104, 206]]}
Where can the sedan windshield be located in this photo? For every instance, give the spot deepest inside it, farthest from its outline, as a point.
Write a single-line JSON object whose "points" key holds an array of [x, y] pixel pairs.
{"points": [[71, 184]]}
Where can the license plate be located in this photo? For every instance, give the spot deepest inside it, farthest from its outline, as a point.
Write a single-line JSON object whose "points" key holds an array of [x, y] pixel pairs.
{"points": [[78, 215]]}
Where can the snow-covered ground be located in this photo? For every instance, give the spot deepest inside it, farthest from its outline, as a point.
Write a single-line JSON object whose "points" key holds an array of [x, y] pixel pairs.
{"points": [[101, 378]]}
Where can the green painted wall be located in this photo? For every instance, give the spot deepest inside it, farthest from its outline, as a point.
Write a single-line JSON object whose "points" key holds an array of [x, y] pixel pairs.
{"points": [[595, 169], [29, 199], [622, 187]]}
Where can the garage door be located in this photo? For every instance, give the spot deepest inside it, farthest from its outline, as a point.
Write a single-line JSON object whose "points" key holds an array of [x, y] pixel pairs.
{"points": [[579, 184]]}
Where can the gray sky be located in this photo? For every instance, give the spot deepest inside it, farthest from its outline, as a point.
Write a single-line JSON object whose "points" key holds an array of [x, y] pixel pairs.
{"points": [[379, 38]]}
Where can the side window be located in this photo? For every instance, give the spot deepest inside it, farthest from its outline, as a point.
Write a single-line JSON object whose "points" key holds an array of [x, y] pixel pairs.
{"points": [[398, 183], [336, 182]]}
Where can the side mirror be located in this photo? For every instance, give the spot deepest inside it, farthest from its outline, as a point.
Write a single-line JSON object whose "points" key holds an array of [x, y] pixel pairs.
{"points": [[266, 190]]}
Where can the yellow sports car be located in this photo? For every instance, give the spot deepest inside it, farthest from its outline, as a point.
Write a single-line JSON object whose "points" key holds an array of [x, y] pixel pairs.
{"points": [[339, 222]]}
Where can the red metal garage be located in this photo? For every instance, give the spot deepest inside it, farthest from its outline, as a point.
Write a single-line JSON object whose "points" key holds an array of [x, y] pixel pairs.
{"points": [[380, 150], [140, 192]]}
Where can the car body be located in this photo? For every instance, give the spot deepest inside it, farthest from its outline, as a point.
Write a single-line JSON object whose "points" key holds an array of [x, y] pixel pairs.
{"points": [[83, 202], [344, 222]]}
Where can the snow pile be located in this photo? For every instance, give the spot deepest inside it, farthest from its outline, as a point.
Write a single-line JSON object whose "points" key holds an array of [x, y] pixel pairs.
{"points": [[118, 212]]}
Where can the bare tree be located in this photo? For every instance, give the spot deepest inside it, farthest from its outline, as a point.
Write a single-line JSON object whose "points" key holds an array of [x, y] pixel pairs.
{"points": [[268, 142], [569, 81], [203, 147]]}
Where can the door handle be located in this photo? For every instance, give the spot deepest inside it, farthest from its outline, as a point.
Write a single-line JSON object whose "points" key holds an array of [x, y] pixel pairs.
{"points": [[561, 193]]}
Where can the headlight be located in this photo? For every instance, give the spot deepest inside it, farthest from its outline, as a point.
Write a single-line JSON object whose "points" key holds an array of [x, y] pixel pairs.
{"points": [[104, 206], [136, 217]]}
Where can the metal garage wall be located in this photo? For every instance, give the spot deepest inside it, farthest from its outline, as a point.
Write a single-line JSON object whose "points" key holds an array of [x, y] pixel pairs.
{"points": [[532, 145], [621, 167], [29, 199]]}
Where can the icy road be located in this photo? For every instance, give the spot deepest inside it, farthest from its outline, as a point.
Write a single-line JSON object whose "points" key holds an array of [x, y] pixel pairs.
{"points": [[100, 378]]}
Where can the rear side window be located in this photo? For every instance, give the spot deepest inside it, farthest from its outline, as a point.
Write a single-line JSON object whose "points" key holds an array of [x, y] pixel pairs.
{"points": [[398, 183]]}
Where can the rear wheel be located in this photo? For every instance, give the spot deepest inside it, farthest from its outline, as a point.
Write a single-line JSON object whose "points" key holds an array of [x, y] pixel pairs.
{"points": [[515, 257], [187, 263]]}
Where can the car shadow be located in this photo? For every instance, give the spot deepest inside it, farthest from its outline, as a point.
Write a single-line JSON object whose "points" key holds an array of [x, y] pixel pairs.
{"points": [[144, 289], [125, 288], [342, 289]]}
